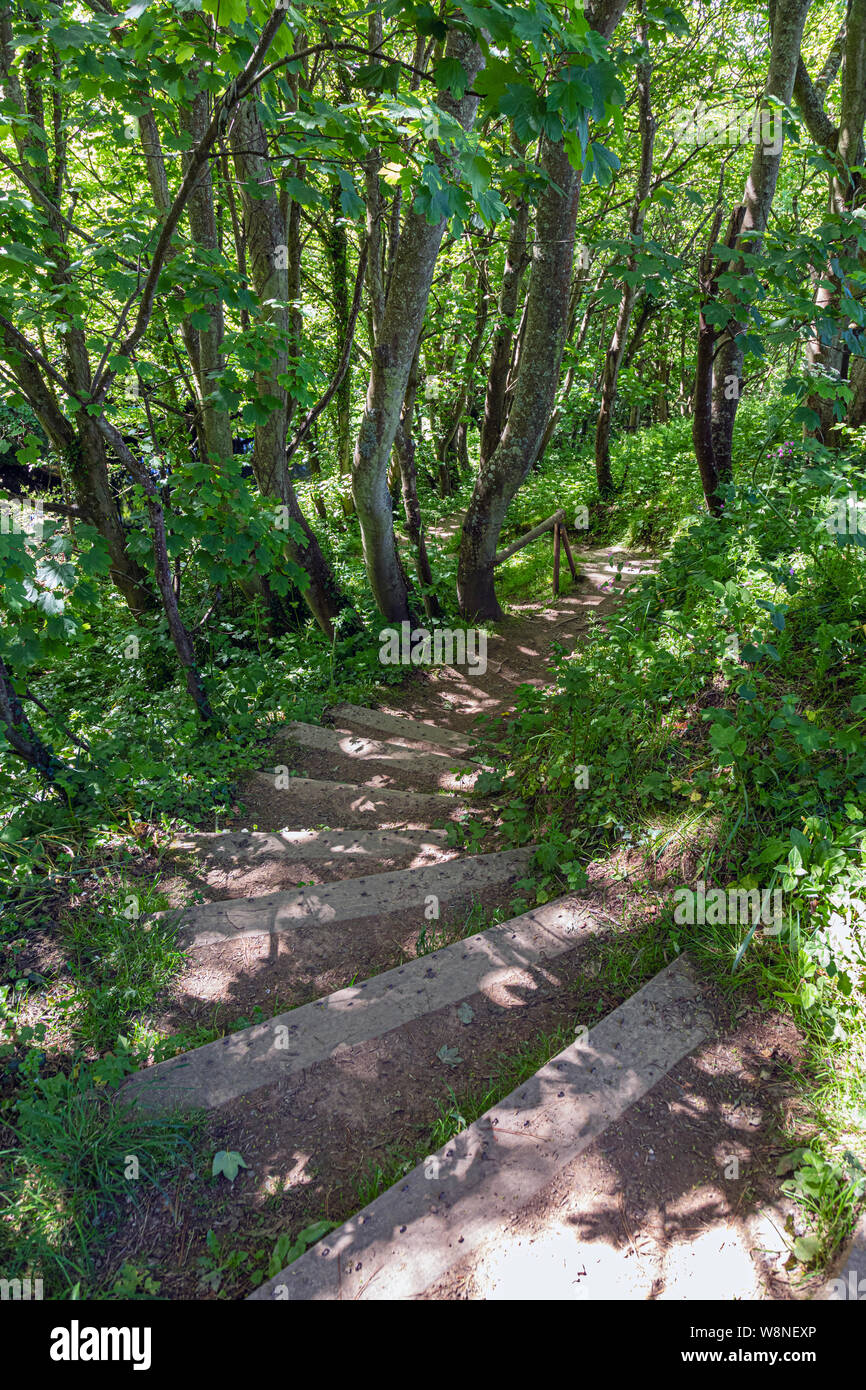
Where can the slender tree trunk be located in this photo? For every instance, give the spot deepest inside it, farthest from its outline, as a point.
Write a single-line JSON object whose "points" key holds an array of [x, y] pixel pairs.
{"points": [[546, 323], [157, 177], [337, 246], [23, 739], [616, 348], [269, 257], [826, 350], [500, 355], [757, 200], [453, 415], [404, 449], [702, 409], [162, 568], [577, 289], [393, 353], [209, 341]]}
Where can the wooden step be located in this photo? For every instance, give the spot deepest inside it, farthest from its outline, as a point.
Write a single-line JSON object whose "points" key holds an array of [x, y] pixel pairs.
{"points": [[463, 1196], [230, 859], [399, 729], [307, 802], [500, 960], [350, 900], [443, 770]]}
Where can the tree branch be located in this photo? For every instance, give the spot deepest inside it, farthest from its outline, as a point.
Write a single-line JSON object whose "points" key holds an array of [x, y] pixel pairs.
{"points": [[343, 363]]}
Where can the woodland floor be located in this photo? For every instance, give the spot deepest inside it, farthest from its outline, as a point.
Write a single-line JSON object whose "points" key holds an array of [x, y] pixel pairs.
{"points": [[652, 1220]]}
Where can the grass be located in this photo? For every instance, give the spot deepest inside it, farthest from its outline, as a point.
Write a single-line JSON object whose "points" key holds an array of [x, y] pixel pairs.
{"points": [[80, 1156], [121, 957]]}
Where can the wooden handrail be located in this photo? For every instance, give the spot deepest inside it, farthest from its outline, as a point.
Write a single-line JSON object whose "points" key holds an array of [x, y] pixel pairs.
{"points": [[530, 536]]}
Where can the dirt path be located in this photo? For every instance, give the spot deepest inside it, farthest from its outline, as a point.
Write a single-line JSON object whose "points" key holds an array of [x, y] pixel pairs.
{"points": [[521, 649]]}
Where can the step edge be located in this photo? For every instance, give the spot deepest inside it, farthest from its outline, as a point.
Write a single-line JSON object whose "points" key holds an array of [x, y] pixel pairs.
{"points": [[271, 903], [363, 1010], [311, 1277]]}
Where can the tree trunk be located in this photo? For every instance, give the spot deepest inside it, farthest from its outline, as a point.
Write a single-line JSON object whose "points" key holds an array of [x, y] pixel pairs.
{"points": [[180, 637], [857, 406], [546, 323], [404, 449], [616, 348], [79, 442], [500, 356], [396, 341], [826, 350], [337, 245], [23, 739], [757, 200], [269, 256], [449, 446], [209, 341]]}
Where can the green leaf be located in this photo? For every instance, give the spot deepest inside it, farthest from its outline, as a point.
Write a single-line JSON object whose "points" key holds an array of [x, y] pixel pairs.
{"points": [[286, 1250], [302, 193], [228, 1163], [351, 203], [521, 105], [570, 97], [230, 11], [450, 76], [601, 165], [449, 1055], [807, 1248]]}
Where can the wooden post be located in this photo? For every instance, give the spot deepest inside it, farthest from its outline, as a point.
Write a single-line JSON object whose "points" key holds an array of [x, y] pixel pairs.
{"points": [[556, 526], [568, 553]]}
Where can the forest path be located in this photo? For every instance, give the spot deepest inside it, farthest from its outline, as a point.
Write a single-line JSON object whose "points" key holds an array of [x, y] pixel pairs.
{"points": [[273, 924], [635, 1164], [520, 650]]}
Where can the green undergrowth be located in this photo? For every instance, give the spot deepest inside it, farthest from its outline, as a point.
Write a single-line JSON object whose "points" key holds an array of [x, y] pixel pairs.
{"points": [[714, 729], [74, 1159]]}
